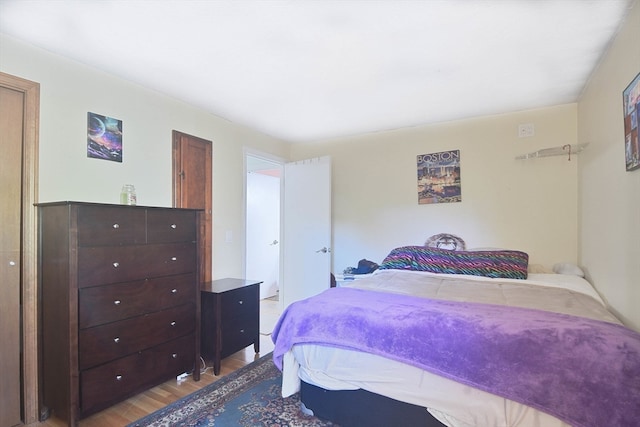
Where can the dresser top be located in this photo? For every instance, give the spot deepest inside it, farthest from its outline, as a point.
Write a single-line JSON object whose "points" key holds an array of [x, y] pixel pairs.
{"points": [[115, 205], [228, 284]]}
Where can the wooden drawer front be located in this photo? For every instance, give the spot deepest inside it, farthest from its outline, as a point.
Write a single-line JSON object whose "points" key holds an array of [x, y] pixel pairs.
{"points": [[113, 264], [109, 303], [239, 302], [104, 343], [107, 384], [238, 334], [98, 225], [166, 226]]}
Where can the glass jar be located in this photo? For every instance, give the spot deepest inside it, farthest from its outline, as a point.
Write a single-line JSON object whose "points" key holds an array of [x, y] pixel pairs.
{"points": [[128, 195]]}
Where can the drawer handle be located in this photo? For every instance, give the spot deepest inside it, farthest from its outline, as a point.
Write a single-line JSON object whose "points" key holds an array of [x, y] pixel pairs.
{"points": [[173, 258], [174, 355], [118, 377], [240, 302], [117, 302], [174, 291], [174, 226], [242, 331], [116, 264], [173, 323], [116, 340], [116, 225]]}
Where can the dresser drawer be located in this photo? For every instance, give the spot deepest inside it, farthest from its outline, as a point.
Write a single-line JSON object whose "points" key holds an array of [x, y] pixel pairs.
{"points": [[102, 386], [109, 303], [112, 264], [240, 303], [166, 226], [113, 340], [99, 225]]}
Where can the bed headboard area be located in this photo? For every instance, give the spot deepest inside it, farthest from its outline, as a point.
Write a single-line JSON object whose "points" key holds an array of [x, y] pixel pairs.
{"points": [[446, 241]]}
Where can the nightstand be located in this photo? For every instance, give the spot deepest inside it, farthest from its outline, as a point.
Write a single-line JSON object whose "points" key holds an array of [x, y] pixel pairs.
{"points": [[230, 310]]}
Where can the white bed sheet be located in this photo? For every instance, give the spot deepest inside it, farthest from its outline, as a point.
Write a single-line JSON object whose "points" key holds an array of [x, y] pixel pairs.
{"points": [[457, 405]]}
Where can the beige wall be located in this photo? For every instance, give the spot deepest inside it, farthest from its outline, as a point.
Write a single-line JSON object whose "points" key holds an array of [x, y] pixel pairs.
{"points": [[530, 205], [609, 197], [69, 90]]}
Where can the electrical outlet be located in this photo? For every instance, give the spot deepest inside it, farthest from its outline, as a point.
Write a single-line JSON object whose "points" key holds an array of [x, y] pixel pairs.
{"points": [[526, 130]]}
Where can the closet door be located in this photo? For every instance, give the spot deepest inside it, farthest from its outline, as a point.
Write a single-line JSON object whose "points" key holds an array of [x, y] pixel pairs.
{"points": [[19, 117], [11, 121]]}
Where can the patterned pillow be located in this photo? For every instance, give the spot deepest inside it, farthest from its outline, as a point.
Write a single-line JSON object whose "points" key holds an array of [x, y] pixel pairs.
{"points": [[497, 264]]}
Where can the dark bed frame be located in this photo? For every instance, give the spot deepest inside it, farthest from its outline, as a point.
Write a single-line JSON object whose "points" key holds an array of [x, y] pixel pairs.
{"points": [[357, 408]]}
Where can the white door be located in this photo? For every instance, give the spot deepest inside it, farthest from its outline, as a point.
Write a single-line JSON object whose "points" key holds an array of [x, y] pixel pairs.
{"points": [[306, 248]]}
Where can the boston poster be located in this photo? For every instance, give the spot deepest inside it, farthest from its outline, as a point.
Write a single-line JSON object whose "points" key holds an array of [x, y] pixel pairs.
{"points": [[439, 177]]}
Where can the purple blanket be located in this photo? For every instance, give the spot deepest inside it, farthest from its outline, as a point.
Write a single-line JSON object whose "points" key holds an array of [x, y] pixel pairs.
{"points": [[584, 372]]}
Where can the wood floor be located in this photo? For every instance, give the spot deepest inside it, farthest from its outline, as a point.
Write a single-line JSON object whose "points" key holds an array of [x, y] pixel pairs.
{"points": [[158, 397]]}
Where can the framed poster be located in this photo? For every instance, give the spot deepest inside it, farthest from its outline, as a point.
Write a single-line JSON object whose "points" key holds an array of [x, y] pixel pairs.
{"points": [[104, 137], [439, 177], [631, 103]]}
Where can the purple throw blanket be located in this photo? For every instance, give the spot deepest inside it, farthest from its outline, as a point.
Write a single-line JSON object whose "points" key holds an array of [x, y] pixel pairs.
{"points": [[584, 372]]}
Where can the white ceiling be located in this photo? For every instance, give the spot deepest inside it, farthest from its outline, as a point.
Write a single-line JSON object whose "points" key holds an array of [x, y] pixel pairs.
{"points": [[310, 70]]}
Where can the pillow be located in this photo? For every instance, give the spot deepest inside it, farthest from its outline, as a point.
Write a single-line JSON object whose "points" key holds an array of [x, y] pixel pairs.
{"points": [[567, 268], [496, 264]]}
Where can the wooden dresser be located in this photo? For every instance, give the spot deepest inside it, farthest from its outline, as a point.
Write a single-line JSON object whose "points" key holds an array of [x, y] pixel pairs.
{"points": [[120, 302], [230, 318]]}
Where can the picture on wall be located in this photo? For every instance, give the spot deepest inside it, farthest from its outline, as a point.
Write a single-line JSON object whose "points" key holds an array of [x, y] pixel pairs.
{"points": [[104, 137], [439, 177], [631, 103]]}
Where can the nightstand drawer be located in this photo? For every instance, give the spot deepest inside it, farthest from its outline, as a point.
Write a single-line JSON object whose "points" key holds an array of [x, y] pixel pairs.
{"points": [[109, 303], [238, 334], [170, 226], [240, 303], [113, 340], [112, 264], [99, 225]]}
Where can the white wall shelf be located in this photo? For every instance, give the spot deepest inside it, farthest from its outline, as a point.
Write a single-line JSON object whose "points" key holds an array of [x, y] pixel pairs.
{"points": [[566, 150]]}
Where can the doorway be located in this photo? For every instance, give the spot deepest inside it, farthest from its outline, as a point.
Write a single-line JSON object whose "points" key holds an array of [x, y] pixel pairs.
{"points": [[262, 225]]}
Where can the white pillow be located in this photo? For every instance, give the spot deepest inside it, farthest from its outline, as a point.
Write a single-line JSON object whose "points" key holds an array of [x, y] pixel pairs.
{"points": [[568, 268]]}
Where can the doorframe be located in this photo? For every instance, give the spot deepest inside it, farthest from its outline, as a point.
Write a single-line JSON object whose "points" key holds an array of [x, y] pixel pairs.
{"points": [[251, 152], [30, 302]]}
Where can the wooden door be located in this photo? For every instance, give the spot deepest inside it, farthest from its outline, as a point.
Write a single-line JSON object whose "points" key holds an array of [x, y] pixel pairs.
{"points": [[192, 187], [19, 101]]}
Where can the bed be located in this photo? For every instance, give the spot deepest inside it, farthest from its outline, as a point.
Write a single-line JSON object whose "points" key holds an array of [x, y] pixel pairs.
{"points": [[470, 336]]}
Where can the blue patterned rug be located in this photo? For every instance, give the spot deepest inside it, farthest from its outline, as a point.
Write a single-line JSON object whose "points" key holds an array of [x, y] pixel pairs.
{"points": [[247, 397]]}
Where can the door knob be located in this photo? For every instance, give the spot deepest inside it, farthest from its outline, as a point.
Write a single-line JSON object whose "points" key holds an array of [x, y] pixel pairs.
{"points": [[323, 250], [275, 242]]}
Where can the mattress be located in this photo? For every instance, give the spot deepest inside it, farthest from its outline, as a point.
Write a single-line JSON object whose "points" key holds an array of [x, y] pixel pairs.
{"points": [[452, 403]]}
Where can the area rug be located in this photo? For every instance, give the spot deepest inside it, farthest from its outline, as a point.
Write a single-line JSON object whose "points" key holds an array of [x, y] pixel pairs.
{"points": [[249, 396]]}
